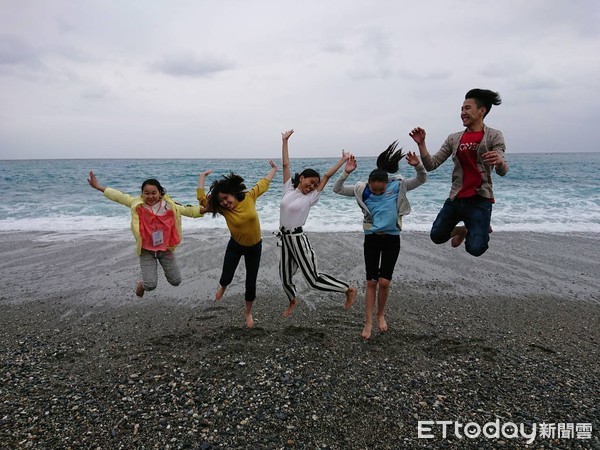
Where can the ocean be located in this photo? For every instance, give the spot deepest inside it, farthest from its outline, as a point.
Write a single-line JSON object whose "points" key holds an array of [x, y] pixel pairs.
{"points": [[548, 193]]}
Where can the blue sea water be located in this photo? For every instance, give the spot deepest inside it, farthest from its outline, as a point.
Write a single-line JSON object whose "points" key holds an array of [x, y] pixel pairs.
{"points": [[550, 192]]}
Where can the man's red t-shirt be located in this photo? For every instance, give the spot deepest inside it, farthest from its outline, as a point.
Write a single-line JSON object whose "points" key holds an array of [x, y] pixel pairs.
{"points": [[467, 155]]}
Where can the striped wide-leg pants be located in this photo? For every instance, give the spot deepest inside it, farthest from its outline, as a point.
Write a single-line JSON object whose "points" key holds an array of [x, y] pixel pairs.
{"points": [[297, 253]]}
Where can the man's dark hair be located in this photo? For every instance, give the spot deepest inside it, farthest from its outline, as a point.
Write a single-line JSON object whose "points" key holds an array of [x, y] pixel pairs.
{"points": [[484, 98], [228, 184]]}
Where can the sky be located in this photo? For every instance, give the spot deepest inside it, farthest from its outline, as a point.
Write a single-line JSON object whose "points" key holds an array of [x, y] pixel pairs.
{"points": [[223, 79]]}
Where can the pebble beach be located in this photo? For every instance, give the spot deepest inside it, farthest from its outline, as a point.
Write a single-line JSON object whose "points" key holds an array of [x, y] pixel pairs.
{"points": [[511, 336]]}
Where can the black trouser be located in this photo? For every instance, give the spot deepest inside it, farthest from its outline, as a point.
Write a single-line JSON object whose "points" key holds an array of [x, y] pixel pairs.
{"points": [[251, 255], [381, 253]]}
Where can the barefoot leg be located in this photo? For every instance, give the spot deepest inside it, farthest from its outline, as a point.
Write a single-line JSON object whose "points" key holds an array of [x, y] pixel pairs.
{"points": [[458, 236], [219, 293], [381, 323], [369, 307], [248, 315], [350, 297], [382, 296], [366, 332], [290, 308], [139, 289]]}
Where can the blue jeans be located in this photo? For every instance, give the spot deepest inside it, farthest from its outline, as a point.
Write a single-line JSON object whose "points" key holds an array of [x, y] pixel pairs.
{"points": [[475, 212]]}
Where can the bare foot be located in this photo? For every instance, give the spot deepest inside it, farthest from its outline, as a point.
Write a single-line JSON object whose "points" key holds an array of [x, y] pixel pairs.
{"points": [[458, 236], [139, 289], [249, 320], [219, 293], [382, 324], [290, 308], [366, 332], [350, 298]]}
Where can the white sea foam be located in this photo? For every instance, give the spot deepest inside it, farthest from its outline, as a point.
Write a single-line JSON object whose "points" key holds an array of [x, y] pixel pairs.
{"points": [[553, 193], [86, 225]]}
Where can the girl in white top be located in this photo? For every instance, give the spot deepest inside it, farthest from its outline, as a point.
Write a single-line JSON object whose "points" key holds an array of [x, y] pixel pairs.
{"points": [[299, 195]]}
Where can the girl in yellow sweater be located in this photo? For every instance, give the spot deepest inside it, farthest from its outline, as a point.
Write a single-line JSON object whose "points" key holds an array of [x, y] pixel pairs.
{"points": [[228, 196]]}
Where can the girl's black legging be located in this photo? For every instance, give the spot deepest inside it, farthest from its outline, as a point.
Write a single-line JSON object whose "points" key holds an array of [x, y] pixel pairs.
{"points": [[251, 255], [381, 253]]}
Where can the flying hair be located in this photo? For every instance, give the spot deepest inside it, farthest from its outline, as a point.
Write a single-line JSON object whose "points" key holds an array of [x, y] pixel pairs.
{"points": [[484, 98], [231, 184], [388, 160]]}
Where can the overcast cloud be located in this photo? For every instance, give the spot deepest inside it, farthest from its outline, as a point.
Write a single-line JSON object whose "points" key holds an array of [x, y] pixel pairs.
{"points": [[198, 79]]}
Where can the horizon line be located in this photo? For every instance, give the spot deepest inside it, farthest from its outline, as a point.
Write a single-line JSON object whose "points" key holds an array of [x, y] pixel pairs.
{"points": [[252, 158]]}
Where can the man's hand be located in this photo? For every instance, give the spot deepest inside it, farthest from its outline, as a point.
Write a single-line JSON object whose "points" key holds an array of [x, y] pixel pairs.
{"points": [[492, 158], [418, 134]]}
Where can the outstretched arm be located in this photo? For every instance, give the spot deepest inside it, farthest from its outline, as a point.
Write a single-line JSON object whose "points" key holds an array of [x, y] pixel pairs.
{"points": [[285, 157], [331, 172], [273, 170], [263, 184], [200, 191], [339, 187], [93, 181], [418, 134], [193, 211], [202, 178], [111, 194], [421, 177], [431, 162], [412, 159]]}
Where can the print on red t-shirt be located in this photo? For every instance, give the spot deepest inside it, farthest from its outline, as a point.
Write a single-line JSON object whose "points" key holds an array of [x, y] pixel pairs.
{"points": [[467, 155]]}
